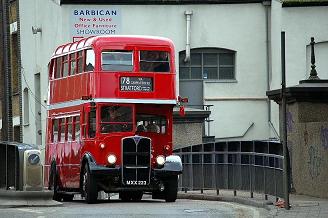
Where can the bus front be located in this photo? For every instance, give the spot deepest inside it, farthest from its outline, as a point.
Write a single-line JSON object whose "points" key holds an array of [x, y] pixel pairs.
{"points": [[129, 121]]}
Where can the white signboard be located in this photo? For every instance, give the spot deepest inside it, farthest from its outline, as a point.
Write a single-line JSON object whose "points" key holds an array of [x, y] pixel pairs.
{"points": [[93, 22]]}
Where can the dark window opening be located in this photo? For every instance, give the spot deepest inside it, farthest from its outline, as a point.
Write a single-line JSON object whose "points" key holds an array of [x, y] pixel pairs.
{"points": [[151, 123], [208, 64], [154, 61], [116, 119]]}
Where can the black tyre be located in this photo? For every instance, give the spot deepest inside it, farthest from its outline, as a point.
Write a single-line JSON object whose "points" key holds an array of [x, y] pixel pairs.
{"points": [[53, 184], [89, 186], [68, 197], [136, 196], [125, 196], [171, 189]]}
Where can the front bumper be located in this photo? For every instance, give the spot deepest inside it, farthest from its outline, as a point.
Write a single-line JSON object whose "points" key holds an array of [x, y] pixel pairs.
{"points": [[110, 179]]}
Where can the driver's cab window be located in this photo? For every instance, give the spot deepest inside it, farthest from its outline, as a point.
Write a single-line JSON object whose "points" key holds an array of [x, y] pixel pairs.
{"points": [[116, 118], [151, 123]]}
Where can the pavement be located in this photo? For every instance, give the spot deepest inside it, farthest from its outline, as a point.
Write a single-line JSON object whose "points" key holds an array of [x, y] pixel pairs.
{"points": [[10, 198], [300, 205]]}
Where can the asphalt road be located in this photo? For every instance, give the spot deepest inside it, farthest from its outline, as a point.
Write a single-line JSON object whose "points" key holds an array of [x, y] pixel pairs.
{"points": [[146, 208]]}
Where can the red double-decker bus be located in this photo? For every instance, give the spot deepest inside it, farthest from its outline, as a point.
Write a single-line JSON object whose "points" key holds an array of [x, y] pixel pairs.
{"points": [[109, 123]]}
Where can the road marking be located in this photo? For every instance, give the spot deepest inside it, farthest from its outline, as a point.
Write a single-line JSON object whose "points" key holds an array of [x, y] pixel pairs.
{"points": [[256, 213], [30, 210], [194, 210]]}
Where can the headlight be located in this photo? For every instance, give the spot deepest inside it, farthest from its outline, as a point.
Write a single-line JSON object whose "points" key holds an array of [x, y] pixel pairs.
{"points": [[111, 159], [160, 160], [34, 159]]}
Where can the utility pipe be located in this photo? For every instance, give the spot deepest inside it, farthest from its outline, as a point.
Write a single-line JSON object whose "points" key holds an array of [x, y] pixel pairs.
{"points": [[188, 20]]}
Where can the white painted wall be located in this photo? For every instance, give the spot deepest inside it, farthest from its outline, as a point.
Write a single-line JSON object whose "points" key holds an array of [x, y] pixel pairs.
{"points": [[239, 27], [300, 24]]}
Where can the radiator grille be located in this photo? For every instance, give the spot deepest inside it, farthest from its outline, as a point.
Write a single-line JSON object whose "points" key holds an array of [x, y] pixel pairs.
{"points": [[136, 160]]}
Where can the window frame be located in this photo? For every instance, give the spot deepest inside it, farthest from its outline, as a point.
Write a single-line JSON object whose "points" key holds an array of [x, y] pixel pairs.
{"points": [[71, 61], [118, 51], [63, 65], [202, 52], [150, 62]]}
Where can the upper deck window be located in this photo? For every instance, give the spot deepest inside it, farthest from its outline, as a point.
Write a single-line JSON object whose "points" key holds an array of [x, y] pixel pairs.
{"points": [[58, 67], [116, 61], [90, 60], [65, 66], [154, 61]]}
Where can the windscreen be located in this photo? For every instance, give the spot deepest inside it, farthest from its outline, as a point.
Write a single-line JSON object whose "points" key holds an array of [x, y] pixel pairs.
{"points": [[116, 119]]}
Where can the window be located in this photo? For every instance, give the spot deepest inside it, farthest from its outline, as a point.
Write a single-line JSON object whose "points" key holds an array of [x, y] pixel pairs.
{"points": [[76, 135], [208, 64], [84, 124], [116, 119], [65, 66], [58, 67], [151, 123], [26, 107], [62, 130], [90, 60], [73, 64], [117, 61], [54, 130], [154, 61], [79, 61], [92, 123], [69, 128]]}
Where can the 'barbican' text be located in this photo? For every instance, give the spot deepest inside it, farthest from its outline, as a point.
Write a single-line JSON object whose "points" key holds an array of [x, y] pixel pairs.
{"points": [[95, 12]]}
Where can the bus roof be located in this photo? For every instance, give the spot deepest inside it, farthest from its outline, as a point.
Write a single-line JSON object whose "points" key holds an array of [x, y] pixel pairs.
{"points": [[112, 39]]}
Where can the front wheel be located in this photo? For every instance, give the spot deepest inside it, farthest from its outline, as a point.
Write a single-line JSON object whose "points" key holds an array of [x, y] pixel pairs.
{"points": [[171, 189], [89, 186]]}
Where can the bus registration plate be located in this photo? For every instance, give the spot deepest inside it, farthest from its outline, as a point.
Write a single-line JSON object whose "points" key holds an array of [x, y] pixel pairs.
{"points": [[136, 84], [133, 182]]}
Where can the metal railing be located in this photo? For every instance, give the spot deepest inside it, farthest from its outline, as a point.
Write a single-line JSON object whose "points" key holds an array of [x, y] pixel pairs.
{"points": [[254, 166]]}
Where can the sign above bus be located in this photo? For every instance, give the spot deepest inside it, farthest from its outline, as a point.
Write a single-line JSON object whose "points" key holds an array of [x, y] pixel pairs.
{"points": [[87, 22], [136, 84]]}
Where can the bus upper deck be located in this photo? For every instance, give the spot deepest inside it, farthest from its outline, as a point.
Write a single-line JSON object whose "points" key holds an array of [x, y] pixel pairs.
{"points": [[133, 69]]}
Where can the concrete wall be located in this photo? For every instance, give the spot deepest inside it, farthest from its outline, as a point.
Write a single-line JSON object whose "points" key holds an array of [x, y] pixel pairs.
{"points": [[307, 127], [185, 134]]}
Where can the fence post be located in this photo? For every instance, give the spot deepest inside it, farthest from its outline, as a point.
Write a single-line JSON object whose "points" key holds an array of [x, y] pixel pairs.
{"points": [[191, 172], [233, 175], [250, 175], [202, 162]]}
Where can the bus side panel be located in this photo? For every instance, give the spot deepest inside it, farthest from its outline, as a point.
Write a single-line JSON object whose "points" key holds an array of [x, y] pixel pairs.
{"points": [[75, 161], [70, 88]]}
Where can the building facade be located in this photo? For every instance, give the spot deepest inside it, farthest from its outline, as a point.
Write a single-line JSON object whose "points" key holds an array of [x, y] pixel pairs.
{"points": [[227, 53]]}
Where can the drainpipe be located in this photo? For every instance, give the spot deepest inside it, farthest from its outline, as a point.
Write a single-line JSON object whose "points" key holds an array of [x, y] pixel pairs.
{"points": [[266, 5], [188, 19]]}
